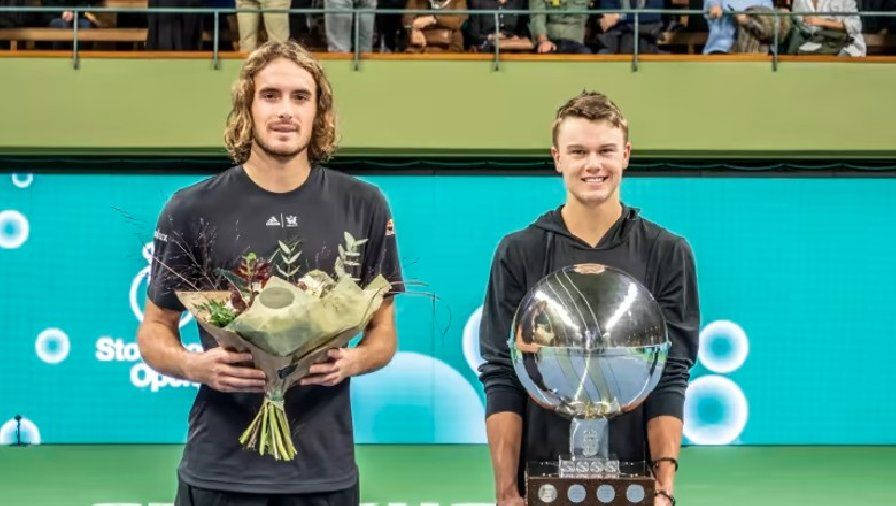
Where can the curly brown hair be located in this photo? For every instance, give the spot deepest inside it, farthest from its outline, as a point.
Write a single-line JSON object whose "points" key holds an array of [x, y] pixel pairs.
{"points": [[239, 132], [592, 106]]}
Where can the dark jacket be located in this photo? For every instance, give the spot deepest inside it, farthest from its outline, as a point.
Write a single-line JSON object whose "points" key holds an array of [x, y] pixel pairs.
{"points": [[654, 256], [629, 19], [46, 17], [480, 26]]}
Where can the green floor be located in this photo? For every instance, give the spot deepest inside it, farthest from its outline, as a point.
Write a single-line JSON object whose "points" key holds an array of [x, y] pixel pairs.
{"points": [[457, 474]]}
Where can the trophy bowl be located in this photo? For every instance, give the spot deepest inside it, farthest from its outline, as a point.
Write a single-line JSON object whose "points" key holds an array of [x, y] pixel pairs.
{"points": [[589, 341]]}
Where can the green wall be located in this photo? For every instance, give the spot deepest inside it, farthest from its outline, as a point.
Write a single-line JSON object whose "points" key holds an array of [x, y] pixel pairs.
{"points": [[455, 107]]}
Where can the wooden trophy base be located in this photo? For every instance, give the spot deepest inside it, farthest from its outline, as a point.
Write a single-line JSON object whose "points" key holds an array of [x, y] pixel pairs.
{"points": [[557, 491]]}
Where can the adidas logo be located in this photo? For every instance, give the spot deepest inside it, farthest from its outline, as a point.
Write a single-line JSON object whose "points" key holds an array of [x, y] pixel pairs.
{"points": [[273, 222]]}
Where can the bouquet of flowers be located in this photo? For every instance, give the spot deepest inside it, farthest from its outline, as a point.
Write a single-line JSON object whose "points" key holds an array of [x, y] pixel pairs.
{"points": [[286, 325]]}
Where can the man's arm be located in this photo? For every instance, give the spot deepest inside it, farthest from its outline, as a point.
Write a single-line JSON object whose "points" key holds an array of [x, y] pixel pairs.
{"points": [[664, 437], [505, 435], [375, 350], [676, 293], [505, 397], [159, 340]]}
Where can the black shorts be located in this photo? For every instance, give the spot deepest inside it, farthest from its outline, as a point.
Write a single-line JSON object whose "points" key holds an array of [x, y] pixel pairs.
{"points": [[193, 496]]}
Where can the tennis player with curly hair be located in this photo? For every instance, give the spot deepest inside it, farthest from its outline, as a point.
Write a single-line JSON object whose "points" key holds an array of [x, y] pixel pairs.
{"points": [[281, 129]]}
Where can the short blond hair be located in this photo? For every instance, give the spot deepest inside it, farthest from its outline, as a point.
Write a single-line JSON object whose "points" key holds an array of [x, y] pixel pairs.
{"points": [[592, 106], [238, 134]]}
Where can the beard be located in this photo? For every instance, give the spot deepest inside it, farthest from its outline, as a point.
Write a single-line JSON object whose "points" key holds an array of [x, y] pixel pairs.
{"points": [[278, 153]]}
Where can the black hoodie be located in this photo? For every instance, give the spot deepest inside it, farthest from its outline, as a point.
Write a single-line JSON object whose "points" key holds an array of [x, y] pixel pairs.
{"points": [[660, 260]]}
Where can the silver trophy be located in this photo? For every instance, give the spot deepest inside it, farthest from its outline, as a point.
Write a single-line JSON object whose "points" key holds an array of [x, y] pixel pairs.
{"points": [[589, 342]]}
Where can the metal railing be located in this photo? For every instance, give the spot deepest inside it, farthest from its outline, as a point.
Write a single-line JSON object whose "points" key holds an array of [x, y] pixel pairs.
{"points": [[357, 12]]}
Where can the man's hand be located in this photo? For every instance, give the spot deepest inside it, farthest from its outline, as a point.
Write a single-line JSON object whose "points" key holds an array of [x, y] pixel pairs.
{"points": [[417, 38], [423, 22], [513, 500], [68, 16], [546, 46], [812, 21], [715, 12], [342, 363], [226, 371], [608, 21], [661, 500]]}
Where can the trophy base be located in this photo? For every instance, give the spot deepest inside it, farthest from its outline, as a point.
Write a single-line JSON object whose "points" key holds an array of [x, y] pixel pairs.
{"points": [[546, 484]]}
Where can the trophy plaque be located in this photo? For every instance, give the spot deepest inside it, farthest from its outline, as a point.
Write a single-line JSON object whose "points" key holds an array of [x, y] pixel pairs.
{"points": [[589, 342]]}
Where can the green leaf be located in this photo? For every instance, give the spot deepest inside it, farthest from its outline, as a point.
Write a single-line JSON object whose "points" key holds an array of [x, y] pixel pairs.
{"points": [[341, 250], [360, 242], [293, 259], [286, 249], [234, 280]]}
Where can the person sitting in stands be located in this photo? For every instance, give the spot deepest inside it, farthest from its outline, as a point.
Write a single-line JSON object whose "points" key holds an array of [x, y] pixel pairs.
{"points": [[440, 31], [66, 18], [724, 25], [481, 27], [840, 35], [276, 24], [618, 29], [554, 29]]}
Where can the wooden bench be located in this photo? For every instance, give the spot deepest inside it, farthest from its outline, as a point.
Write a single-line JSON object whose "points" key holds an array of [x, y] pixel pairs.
{"points": [[690, 40], [16, 35], [881, 43]]}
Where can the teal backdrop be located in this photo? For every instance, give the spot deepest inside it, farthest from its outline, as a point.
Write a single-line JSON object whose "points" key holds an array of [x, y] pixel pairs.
{"points": [[796, 285]]}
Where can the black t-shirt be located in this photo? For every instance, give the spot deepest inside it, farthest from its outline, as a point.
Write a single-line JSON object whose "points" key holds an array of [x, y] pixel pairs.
{"points": [[211, 225]]}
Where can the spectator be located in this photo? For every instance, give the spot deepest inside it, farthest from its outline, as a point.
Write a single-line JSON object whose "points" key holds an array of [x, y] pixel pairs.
{"points": [[440, 31], [14, 19], [618, 29], [826, 35], [756, 29], [276, 24], [174, 31], [66, 18], [393, 36], [481, 27], [876, 24], [339, 25], [723, 25], [556, 31]]}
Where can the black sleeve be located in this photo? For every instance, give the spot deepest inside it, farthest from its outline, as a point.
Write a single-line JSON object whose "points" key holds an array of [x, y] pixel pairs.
{"points": [[677, 296], [506, 289], [381, 251], [174, 263]]}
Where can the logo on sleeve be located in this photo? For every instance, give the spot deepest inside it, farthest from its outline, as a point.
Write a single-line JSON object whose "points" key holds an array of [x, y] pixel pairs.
{"points": [[160, 236]]}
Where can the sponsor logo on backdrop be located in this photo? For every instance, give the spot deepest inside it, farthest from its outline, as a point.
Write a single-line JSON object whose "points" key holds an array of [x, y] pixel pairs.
{"points": [[22, 180], [109, 349], [13, 229], [52, 345], [26, 429], [471, 340], [140, 283], [715, 407]]}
